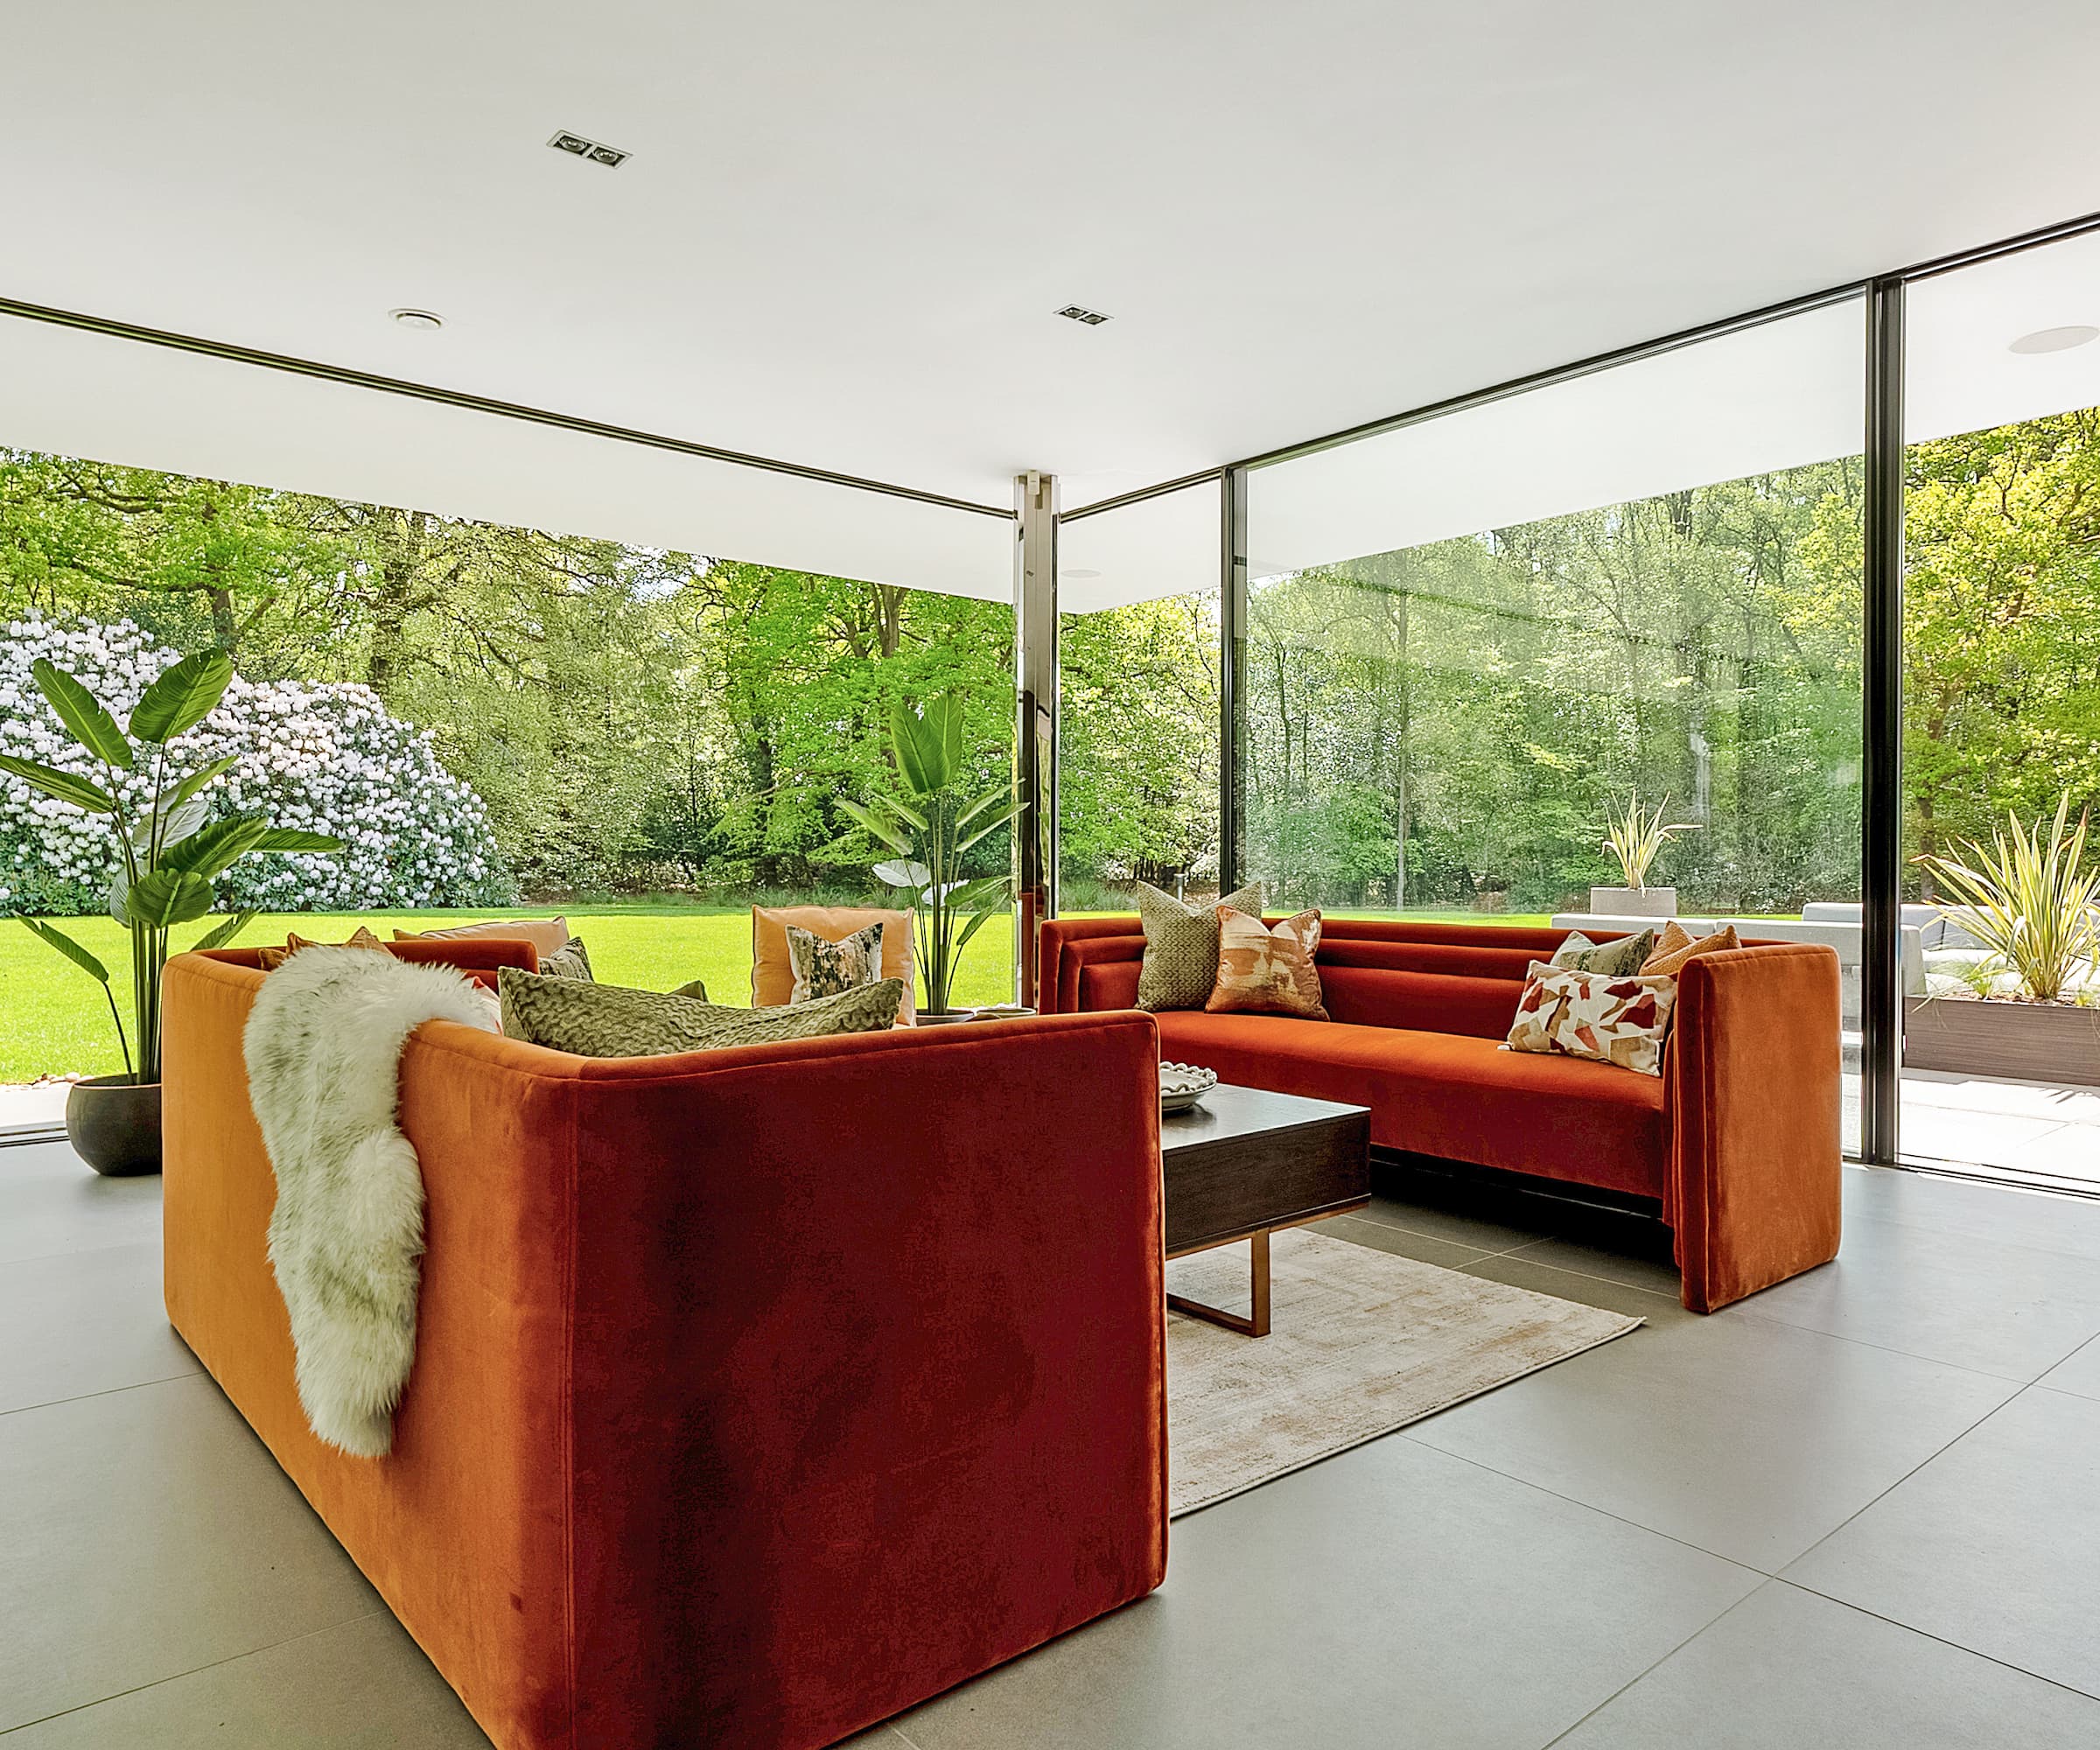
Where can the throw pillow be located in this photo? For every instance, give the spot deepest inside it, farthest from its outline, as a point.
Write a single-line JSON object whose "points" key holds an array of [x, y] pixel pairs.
{"points": [[825, 968], [1267, 971], [1622, 1021], [271, 958], [772, 972], [1677, 947], [608, 1020], [694, 988], [570, 961], [1626, 955], [546, 935], [1181, 967]]}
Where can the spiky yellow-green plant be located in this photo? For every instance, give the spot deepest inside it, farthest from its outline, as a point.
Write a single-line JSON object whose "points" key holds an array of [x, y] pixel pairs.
{"points": [[2028, 900], [1635, 835]]}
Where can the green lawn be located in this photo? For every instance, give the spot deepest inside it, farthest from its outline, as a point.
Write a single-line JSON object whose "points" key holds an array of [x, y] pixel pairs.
{"points": [[53, 1019]]}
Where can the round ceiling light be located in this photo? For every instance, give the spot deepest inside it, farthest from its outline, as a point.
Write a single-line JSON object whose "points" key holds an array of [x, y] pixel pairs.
{"points": [[418, 318], [1079, 571], [2055, 340]]}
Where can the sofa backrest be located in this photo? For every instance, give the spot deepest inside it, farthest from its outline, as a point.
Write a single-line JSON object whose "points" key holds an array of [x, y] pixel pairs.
{"points": [[1443, 978], [479, 957]]}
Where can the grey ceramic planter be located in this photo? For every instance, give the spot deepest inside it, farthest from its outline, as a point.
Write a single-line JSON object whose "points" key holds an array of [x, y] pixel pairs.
{"points": [[1634, 902]]}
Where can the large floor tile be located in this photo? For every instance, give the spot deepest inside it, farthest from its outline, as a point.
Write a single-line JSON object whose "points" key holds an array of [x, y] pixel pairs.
{"points": [[1458, 1227], [1994, 1545], [1521, 1270], [363, 1686], [146, 1533], [2079, 1374], [1787, 1668], [82, 1322], [1401, 1241], [1979, 1302], [53, 1202], [1745, 1436], [2047, 1221], [1392, 1596], [1637, 1269]]}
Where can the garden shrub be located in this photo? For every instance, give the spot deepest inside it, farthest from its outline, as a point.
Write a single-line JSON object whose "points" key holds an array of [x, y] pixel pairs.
{"points": [[325, 756]]}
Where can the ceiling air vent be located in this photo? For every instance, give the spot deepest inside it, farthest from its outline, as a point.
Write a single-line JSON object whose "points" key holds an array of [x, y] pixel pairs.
{"points": [[1093, 318], [577, 146]]}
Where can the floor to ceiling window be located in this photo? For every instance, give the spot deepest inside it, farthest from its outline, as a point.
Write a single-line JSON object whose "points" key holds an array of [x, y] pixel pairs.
{"points": [[1137, 781], [2002, 715], [1471, 643]]}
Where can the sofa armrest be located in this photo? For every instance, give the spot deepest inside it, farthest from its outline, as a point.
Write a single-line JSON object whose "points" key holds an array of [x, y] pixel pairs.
{"points": [[868, 1369], [1754, 1183], [1067, 946]]}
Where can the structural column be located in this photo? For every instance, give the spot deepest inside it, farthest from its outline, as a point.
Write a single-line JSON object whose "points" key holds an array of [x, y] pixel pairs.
{"points": [[1035, 737], [1232, 647], [1881, 854]]}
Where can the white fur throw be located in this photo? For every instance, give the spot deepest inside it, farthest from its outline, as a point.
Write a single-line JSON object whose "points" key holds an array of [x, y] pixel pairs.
{"points": [[323, 1046]]}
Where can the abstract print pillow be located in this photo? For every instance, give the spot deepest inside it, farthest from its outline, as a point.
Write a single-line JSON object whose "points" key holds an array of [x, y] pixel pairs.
{"points": [[1620, 1019], [828, 969], [1263, 971]]}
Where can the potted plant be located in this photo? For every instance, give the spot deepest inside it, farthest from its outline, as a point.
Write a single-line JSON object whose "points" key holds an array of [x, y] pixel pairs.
{"points": [[2030, 902], [1634, 836], [930, 827], [167, 860]]}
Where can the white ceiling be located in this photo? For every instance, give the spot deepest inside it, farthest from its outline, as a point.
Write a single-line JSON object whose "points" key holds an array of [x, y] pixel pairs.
{"points": [[845, 228]]}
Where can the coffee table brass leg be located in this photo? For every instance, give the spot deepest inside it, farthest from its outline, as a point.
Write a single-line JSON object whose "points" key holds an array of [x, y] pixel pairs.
{"points": [[1254, 1325]]}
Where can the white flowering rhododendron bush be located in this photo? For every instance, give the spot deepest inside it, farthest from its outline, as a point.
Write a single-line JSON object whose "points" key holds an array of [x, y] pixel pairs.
{"points": [[326, 757]]}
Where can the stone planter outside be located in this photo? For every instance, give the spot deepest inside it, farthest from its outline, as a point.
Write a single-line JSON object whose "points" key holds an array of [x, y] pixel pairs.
{"points": [[1634, 902], [2052, 1042]]}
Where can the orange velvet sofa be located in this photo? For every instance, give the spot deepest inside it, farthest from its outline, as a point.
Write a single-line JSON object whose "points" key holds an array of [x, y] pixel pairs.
{"points": [[1737, 1141], [758, 1394]]}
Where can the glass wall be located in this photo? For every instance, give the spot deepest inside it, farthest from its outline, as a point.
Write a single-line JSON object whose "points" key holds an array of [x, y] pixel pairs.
{"points": [[2002, 715], [1469, 643], [1137, 780]]}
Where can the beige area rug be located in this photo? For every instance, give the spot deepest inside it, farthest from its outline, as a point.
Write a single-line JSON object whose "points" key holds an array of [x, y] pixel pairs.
{"points": [[1361, 1342]]}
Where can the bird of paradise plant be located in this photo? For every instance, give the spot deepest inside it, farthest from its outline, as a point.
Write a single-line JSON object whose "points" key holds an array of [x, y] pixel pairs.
{"points": [[931, 827]]}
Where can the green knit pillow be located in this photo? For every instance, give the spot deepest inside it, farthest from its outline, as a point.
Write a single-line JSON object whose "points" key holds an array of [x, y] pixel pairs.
{"points": [[1180, 965], [609, 1021]]}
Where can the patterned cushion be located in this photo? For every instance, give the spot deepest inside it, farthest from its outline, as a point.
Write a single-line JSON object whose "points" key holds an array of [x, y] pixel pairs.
{"points": [[271, 958], [1677, 947], [1267, 971], [1626, 955], [607, 1020], [1180, 966], [570, 962], [1613, 1019], [773, 973], [825, 968]]}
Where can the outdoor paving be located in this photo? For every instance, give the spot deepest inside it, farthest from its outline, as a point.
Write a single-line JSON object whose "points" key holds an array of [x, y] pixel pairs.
{"points": [[1879, 1483]]}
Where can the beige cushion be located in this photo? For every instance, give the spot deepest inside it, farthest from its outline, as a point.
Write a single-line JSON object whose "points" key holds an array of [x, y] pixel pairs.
{"points": [[1180, 966], [271, 958], [1625, 955], [772, 971]]}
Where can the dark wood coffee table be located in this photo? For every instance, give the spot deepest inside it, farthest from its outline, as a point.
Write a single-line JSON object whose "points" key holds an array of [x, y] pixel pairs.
{"points": [[1246, 1162]]}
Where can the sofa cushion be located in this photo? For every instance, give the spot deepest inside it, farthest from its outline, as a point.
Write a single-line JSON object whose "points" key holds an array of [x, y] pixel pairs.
{"points": [[1180, 965], [1624, 955], [1267, 971], [607, 1020], [1448, 1094], [546, 935], [773, 971], [1610, 1018]]}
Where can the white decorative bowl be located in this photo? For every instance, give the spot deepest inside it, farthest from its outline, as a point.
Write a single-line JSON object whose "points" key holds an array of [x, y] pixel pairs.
{"points": [[1182, 1085]]}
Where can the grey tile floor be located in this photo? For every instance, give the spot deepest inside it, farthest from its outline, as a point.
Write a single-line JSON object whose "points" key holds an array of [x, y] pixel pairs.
{"points": [[1861, 1510]]}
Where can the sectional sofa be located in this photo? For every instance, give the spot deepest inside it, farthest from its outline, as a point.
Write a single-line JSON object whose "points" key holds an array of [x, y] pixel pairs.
{"points": [[1736, 1143], [758, 1394]]}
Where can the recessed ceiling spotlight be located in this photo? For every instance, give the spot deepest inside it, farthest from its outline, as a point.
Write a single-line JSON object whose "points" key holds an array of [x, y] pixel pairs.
{"points": [[2055, 340], [418, 318], [1079, 313], [576, 146], [1079, 571]]}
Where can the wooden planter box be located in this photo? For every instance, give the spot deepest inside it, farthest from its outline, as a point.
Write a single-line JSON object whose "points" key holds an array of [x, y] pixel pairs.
{"points": [[2054, 1042]]}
